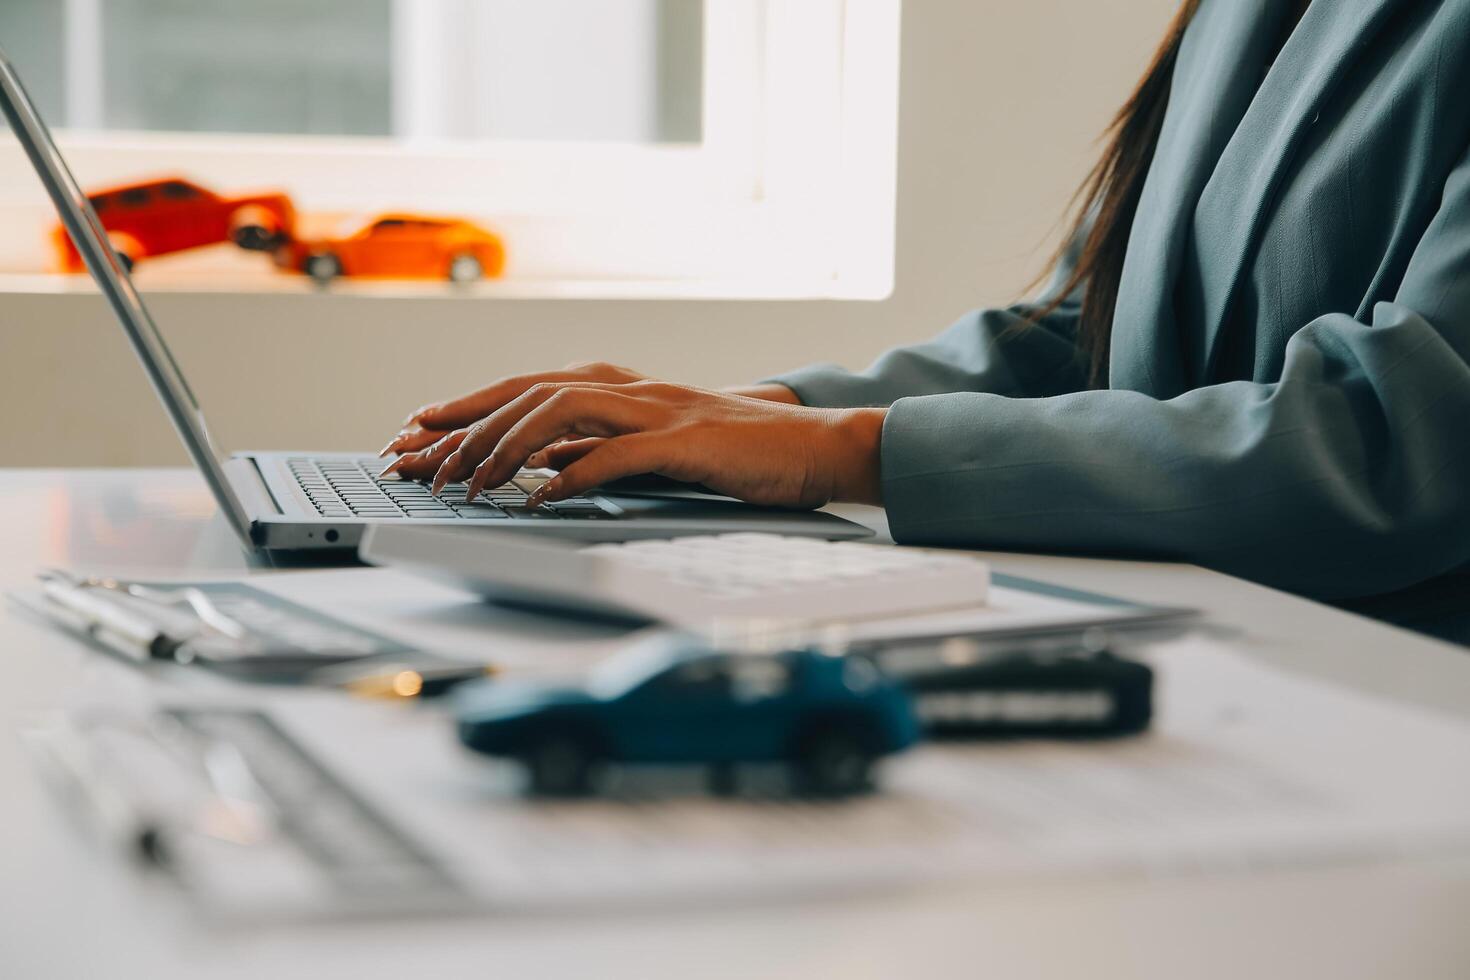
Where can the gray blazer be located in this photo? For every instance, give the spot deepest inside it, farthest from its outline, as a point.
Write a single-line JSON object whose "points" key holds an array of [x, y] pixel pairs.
{"points": [[1289, 391]]}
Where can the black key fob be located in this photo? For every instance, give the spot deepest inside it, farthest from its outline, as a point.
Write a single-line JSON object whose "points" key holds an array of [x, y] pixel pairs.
{"points": [[1055, 693]]}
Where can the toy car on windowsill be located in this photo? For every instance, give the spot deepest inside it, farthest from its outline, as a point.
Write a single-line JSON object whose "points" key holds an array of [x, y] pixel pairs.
{"points": [[674, 701], [172, 214], [399, 246]]}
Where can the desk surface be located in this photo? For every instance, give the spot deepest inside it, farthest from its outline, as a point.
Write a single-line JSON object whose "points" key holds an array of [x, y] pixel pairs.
{"points": [[70, 910]]}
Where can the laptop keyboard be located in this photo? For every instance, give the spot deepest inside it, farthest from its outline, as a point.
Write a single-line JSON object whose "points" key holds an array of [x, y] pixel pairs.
{"points": [[351, 488]]}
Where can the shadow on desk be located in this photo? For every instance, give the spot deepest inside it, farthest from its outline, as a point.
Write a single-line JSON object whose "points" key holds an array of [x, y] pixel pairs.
{"points": [[1439, 607]]}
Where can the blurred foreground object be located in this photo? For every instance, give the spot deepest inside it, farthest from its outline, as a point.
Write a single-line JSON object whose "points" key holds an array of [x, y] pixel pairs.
{"points": [[399, 246], [675, 701], [171, 214], [964, 689]]}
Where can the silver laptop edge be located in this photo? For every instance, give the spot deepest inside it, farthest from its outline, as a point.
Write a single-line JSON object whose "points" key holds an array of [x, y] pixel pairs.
{"points": [[92, 242]]}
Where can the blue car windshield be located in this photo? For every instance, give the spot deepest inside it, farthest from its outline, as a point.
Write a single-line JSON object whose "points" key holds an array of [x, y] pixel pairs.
{"points": [[622, 673], [738, 678]]}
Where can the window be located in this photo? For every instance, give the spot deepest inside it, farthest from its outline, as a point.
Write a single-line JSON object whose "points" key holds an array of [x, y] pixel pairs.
{"points": [[707, 679], [177, 190], [739, 147], [759, 677], [457, 69]]}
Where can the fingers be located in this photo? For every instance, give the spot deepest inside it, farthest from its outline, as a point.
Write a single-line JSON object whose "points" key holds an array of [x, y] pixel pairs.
{"points": [[470, 408], [610, 460], [425, 463], [561, 454], [486, 433], [497, 452], [465, 409], [411, 441]]}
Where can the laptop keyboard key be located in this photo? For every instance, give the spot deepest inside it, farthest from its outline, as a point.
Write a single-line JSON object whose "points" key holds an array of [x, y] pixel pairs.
{"points": [[340, 488]]}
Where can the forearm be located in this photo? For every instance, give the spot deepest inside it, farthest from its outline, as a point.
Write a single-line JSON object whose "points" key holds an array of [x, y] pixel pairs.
{"points": [[857, 434], [851, 441], [853, 445], [997, 351], [1345, 477], [772, 392]]}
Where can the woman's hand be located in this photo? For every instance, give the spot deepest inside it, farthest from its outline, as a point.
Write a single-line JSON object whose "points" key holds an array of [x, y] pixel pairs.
{"points": [[748, 447], [444, 422], [431, 423]]}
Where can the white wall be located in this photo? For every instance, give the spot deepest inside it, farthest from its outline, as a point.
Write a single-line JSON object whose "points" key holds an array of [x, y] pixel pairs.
{"points": [[1001, 106]]}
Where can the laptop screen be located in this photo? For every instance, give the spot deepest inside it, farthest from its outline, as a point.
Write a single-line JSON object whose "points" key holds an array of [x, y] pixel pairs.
{"points": [[112, 279]]}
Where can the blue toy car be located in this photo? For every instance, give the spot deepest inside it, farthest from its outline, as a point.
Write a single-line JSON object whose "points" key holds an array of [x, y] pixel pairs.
{"points": [[675, 701]]}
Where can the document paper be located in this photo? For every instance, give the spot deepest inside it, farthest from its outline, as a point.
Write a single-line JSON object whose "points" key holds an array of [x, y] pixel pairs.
{"points": [[1246, 766]]}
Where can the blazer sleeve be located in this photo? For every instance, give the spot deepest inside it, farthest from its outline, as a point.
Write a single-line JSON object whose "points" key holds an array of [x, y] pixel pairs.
{"points": [[1001, 351], [1348, 476]]}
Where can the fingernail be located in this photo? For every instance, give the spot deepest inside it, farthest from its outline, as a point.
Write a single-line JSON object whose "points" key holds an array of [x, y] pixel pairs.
{"points": [[442, 477], [481, 477], [539, 495], [392, 467], [388, 448]]}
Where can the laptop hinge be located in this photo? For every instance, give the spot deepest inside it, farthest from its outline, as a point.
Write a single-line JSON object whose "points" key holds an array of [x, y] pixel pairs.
{"points": [[246, 478]]}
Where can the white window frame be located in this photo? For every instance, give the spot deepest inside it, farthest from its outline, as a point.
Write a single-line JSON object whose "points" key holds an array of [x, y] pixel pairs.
{"points": [[790, 193]]}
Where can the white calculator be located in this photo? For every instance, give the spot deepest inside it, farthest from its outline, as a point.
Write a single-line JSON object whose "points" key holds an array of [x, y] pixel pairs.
{"points": [[691, 581]]}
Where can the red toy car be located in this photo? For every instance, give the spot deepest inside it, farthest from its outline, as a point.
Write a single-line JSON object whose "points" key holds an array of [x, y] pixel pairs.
{"points": [[399, 246], [169, 215]]}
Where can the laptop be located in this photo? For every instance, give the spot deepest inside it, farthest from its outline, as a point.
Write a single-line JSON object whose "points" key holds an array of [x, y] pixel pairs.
{"points": [[299, 501]]}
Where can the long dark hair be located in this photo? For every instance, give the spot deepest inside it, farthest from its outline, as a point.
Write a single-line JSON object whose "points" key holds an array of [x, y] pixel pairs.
{"points": [[1109, 198]]}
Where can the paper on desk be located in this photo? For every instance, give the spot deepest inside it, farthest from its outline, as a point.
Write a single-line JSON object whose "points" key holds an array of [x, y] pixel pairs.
{"points": [[1246, 766], [449, 621]]}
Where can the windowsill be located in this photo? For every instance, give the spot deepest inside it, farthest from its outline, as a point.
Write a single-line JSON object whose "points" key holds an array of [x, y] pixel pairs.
{"points": [[789, 195], [245, 284]]}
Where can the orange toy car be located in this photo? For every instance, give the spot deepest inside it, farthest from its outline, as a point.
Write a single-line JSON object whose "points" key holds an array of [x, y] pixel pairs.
{"points": [[169, 215], [403, 246]]}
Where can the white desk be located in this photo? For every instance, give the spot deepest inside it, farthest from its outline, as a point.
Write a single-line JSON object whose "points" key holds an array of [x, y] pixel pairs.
{"points": [[68, 909]]}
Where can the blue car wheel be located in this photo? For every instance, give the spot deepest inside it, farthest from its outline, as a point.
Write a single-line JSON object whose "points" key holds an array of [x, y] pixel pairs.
{"points": [[722, 779], [833, 761], [560, 765]]}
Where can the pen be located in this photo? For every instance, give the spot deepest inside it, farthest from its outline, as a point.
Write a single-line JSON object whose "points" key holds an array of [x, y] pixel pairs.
{"points": [[110, 623], [119, 818]]}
